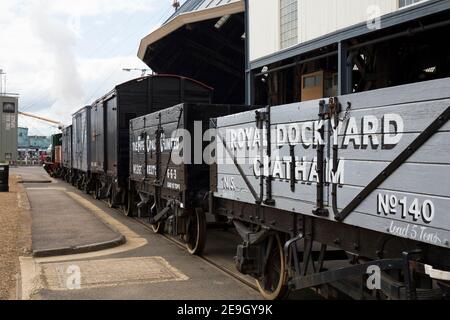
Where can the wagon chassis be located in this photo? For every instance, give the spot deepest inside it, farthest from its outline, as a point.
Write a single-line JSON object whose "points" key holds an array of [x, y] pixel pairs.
{"points": [[406, 258]]}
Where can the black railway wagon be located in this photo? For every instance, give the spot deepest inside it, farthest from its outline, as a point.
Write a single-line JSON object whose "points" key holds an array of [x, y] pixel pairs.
{"points": [[81, 152], [110, 121], [66, 153], [169, 179]]}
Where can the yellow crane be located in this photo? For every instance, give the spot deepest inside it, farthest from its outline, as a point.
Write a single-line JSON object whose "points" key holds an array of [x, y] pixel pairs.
{"points": [[58, 124]]}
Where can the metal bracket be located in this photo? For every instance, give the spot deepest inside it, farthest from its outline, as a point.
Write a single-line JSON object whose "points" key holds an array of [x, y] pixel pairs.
{"points": [[410, 284], [292, 167], [161, 215], [320, 278], [327, 110], [249, 236], [324, 113], [263, 117]]}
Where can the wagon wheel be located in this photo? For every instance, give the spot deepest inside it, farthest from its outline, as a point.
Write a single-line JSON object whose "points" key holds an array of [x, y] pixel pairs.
{"points": [[78, 183], [112, 195], [130, 204], [272, 284], [159, 226], [85, 188], [196, 232], [96, 193]]}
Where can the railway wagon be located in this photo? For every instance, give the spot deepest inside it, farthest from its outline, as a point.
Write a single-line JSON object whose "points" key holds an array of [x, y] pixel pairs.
{"points": [[66, 153], [169, 177], [57, 153], [81, 152], [363, 177], [53, 164], [110, 126]]}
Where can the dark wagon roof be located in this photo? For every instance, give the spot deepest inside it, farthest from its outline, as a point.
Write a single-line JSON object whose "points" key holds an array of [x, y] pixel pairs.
{"points": [[81, 109], [112, 92], [166, 76]]}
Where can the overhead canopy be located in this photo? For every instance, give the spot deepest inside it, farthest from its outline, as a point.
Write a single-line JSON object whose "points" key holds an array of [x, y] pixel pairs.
{"points": [[203, 40]]}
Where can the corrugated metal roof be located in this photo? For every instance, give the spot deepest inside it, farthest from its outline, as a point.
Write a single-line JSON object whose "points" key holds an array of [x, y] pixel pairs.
{"points": [[197, 5]]}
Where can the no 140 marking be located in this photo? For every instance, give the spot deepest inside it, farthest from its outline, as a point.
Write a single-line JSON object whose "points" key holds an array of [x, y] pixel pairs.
{"points": [[388, 204]]}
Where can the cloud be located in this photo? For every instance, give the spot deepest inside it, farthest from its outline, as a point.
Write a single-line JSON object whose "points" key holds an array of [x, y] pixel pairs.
{"points": [[99, 7], [59, 40], [46, 45]]}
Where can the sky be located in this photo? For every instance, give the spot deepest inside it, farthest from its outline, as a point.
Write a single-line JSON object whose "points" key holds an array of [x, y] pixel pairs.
{"points": [[60, 55]]}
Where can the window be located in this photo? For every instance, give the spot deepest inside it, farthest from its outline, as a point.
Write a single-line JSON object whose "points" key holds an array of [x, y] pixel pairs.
{"points": [[288, 23], [312, 81], [405, 3], [9, 107]]}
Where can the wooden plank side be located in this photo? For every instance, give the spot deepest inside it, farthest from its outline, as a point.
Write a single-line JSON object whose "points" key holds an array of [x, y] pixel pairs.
{"points": [[416, 92], [410, 177]]}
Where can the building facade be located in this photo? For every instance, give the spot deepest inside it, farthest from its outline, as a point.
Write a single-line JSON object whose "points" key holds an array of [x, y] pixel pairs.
{"points": [[23, 139], [275, 25], [300, 50], [272, 52], [31, 148], [39, 143]]}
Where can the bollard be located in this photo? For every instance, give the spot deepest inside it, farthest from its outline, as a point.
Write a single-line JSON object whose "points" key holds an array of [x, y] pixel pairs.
{"points": [[4, 178]]}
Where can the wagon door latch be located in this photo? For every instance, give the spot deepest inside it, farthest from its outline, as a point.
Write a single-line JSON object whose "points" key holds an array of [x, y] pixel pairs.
{"points": [[263, 119], [326, 111]]}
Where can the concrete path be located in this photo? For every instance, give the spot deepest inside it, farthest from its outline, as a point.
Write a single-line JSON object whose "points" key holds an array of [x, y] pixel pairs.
{"points": [[60, 224], [32, 174]]}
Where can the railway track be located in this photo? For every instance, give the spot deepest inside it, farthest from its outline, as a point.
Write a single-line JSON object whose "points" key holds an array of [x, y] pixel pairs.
{"points": [[210, 261]]}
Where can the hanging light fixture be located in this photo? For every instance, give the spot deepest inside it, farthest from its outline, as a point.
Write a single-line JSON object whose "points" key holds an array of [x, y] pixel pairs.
{"points": [[222, 21]]}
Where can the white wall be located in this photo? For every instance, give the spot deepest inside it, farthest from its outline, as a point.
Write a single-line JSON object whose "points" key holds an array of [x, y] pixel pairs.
{"points": [[316, 18], [319, 17], [264, 27]]}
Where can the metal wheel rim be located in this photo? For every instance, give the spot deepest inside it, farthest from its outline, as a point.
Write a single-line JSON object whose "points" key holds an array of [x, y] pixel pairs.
{"points": [[195, 247], [158, 228], [273, 285]]}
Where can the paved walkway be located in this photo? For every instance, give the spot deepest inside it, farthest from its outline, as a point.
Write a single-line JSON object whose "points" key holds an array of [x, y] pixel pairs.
{"points": [[60, 224]]}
